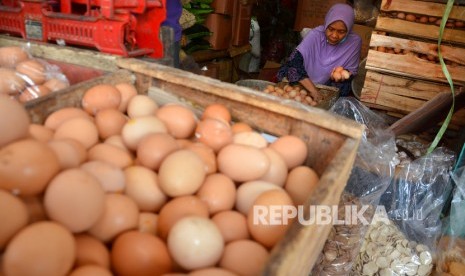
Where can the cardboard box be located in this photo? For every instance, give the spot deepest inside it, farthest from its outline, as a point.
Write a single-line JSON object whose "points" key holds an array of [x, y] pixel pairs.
{"points": [[311, 13], [241, 23], [365, 34], [221, 27], [225, 7]]}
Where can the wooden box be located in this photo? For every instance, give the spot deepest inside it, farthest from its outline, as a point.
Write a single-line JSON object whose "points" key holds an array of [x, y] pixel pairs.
{"points": [[332, 140]]}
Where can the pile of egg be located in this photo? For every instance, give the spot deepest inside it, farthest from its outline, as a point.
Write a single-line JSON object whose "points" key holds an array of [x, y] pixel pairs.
{"points": [[123, 186]]}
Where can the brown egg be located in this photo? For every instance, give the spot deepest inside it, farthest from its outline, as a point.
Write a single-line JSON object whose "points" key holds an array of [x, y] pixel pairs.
{"points": [[110, 154], [75, 199], [56, 118], [120, 215], [87, 134], [213, 271], [232, 225], [40, 132], [13, 215], [242, 163], [240, 127], [99, 97], [55, 84], [93, 270], [292, 149], [32, 70], [33, 92], [191, 235], [109, 122], [110, 177], [14, 121], [250, 138], [183, 143], [218, 112], [178, 208], [12, 55], [301, 183], [91, 251], [10, 82], [127, 91], [277, 172], [180, 120], [244, 257], [181, 173], [148, 223], [137, 128], [219, 193], [214, 133], [141, 106], [117, 141], [44, 248], [136, 253], [206, 154], [142, 187], [26, 167], [153, 149], [35, 208], [70, 152], [248, 192]]}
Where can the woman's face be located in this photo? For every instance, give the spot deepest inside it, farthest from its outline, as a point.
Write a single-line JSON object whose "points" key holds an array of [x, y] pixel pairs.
{"points": [[336, 32]]}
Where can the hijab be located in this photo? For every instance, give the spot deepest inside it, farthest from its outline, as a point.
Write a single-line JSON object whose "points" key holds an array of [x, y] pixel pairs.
{"points": [[320, 57]]}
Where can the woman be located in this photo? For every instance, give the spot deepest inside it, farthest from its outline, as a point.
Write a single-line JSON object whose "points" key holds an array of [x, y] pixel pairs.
{"points": [[322, 50]]}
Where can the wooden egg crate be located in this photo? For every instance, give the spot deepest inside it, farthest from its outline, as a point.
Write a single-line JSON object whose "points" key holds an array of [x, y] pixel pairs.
{"points": [[402, 66]]}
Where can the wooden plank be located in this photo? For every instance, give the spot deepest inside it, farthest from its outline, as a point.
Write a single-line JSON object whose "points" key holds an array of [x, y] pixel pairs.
{"points": [[422, 8], [412, 66], [454, 54], [420, 30], [88, 58]]}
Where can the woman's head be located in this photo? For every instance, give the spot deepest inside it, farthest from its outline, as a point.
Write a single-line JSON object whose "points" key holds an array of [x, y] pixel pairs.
{"points": [[338, 23]]}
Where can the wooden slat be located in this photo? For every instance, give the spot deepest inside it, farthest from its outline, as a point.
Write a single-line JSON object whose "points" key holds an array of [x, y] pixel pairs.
{"points": [[414, 29], [421, 7], [412, 66], [454, 54]]}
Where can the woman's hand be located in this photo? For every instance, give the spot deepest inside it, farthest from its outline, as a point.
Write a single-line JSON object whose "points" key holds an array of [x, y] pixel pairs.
{"points": [[340, 74], [311, 88]]}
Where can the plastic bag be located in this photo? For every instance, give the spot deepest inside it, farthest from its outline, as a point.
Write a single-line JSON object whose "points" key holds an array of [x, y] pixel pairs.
{"points": [[451, 248], [372, 172]]}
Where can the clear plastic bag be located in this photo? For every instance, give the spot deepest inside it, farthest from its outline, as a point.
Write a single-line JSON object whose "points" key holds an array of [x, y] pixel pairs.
{"points": [[372, 172]]}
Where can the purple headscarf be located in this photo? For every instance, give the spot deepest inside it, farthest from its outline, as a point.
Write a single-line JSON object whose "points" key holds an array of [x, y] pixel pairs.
{"points": [[320, 57]]}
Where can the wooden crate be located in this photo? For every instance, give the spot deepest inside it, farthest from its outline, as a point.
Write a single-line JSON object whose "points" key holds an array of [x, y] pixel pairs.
{"points": [[402, 65], [332, 140]]}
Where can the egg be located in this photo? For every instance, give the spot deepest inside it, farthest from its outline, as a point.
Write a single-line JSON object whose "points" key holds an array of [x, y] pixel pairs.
{"points": [[240, 127], [178, 208], [127, 91], [277, 172], [141, 106], [13, 215], [269, 234], [213, 271], [70, 153], [206, 154], [181, 173], [345, 74], [120, 214], [137, 128], [337, 76], [293, 150], [248, 192], [110, 154], [214, 133], [250, 138], [153, 148], [218, 112], [148, 223], [35, 208], [219, 193], [142, 186], [12, 55], [26, 167], [109, 122], [99, 97], [32, 70], [93, 270], [195, 242], [14, 121], [242, 163], [33, 92], [55, 84], [180, 120], [232, 225], [91, 251], [136, 253], [58, 117], [45, 248], [75, 199], [87, 134], [244, 257], [110, 177], [117, 141], [301, 183], [10, 82]]}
